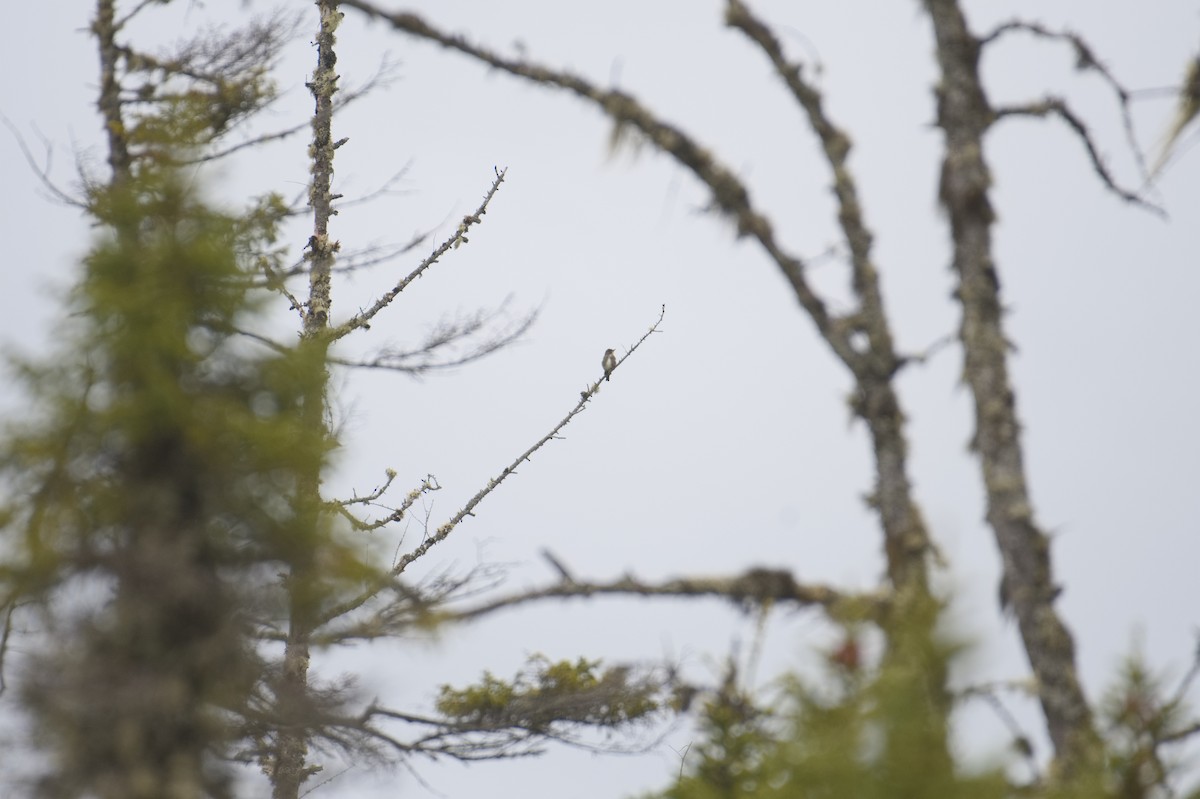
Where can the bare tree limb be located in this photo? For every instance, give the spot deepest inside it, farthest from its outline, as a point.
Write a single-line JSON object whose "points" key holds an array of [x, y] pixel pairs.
{"points": [[294, 692], [1085, 60], [1022, 742], [348, 262], [363, 318], [965, 115], [443, 347], [468, 509], [875, 363], [755, 587], [1055, 106], [42, 170], [448, 527], [123, 21]]}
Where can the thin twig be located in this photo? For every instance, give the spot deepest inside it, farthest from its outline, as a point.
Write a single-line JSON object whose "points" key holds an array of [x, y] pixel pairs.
{"points": [[1085, 59], [445, 529], [42, 171], [468, 509], [1056, 106], [363, 318], [444, 337]]}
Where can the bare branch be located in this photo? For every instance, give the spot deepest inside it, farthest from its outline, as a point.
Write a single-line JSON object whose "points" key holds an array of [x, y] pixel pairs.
{"points": [[256, 141], [446, 337], [123, 21], [756, 587], [377, 254], [351, 261], [1054, 106], [293, 690], [874, 363], [558, 566], [468, 510], [989, 693], [363, 318], [1085, 60], [384, 188], [42, 170], [965, 116]]}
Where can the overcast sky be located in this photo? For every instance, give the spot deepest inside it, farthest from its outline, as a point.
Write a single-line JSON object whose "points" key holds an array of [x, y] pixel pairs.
{"points": [[725, 442]]}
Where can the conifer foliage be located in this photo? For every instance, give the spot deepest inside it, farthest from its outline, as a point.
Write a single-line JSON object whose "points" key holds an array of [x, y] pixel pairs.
{"points": [[156, 488]]}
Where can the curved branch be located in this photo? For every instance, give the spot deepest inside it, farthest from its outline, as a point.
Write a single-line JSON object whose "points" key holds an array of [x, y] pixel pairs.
{"points": [[1055, 106], [363, 318]]}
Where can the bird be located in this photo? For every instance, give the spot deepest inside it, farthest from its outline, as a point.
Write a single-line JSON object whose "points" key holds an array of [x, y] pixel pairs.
{"points": [[609, 362]]}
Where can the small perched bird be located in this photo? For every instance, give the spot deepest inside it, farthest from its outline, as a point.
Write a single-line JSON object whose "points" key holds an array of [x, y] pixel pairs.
{"points": [[609, 362]]}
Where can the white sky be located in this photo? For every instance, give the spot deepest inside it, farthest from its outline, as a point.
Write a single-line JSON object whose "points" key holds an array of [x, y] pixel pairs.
{"points": [[724, 442]]}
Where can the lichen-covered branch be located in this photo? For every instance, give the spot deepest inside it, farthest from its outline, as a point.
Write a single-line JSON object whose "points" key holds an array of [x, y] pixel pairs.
{"points": [[1085, 60], [965, 116], [105, 30], [321, 251], [875, 363], [756, 587], [363, 318], [289, 755], [468, 509]]}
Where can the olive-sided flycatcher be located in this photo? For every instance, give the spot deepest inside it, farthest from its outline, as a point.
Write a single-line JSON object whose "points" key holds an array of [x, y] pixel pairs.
{"points": [[609, 362]]}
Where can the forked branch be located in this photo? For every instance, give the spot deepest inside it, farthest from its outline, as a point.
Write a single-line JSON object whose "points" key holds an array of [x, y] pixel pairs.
{"points": [[1056, 106]]}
